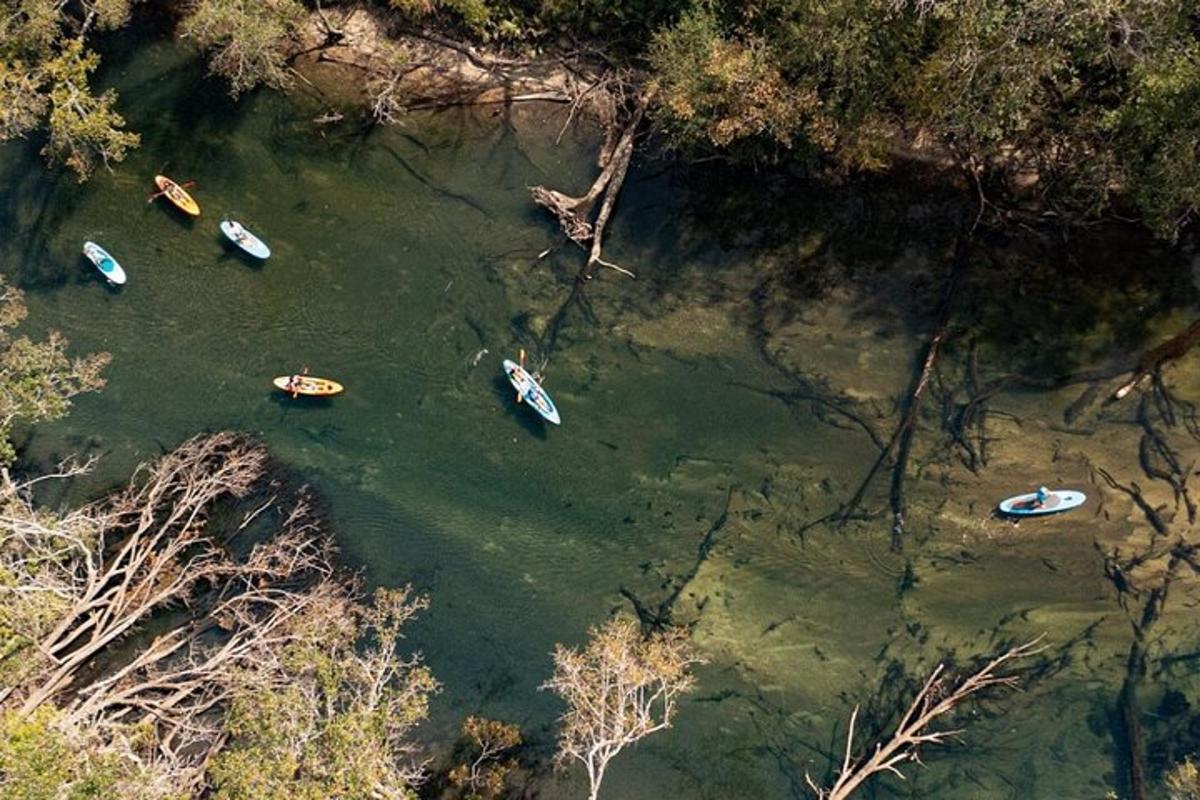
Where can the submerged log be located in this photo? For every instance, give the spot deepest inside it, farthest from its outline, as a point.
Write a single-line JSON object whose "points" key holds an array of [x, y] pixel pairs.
{"points": [[1153, 360], [901, 442]]}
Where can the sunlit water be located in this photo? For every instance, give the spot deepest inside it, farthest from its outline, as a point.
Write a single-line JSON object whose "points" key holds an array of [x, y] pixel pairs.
{"points": [[405, 264]]}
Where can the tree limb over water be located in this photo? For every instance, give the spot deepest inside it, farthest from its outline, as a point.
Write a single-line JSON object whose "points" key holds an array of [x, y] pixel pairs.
{"points": [[77, 585], [937, 698], [574, 213]]}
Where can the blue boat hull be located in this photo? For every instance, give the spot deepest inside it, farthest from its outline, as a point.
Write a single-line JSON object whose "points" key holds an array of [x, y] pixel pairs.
{"points": [[531, 391]]}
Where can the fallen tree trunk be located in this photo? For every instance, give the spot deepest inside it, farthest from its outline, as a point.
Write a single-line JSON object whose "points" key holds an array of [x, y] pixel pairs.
{"points": [[1153, 360], [574, 213]]}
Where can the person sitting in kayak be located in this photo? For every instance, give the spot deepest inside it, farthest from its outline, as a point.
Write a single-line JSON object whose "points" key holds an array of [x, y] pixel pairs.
{"points": [[295, 382]]}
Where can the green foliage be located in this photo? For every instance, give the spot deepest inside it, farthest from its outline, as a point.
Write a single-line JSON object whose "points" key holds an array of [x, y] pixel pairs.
{"points": [[44, 69], [339, 726], [1096, 98], [1158, 135], [41, 761], [721, 90], [475, 14], [481, 776], [84, 128], [37, 379], [247, 40], [620, 23]]}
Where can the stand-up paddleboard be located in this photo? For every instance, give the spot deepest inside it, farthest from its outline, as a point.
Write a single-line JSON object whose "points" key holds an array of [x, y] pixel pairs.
{"points": [[107, 265], [177, 195], [308, 385], [1026, 505], [245, 239], [531, 391]]}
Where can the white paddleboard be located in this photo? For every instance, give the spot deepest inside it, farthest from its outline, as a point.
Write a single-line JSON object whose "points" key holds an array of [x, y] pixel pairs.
{"points": [[245, 239], [107, 265], [1026, 505]]}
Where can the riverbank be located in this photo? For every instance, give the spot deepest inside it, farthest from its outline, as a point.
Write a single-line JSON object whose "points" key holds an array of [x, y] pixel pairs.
{"points": [[341, 50], [708, 395]]}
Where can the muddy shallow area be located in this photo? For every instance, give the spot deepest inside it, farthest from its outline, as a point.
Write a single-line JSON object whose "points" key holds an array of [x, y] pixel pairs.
{"points": [[719, 411]]}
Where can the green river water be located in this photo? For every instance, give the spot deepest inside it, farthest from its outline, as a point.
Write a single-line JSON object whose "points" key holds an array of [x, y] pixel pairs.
{"points": [[405, 265]]}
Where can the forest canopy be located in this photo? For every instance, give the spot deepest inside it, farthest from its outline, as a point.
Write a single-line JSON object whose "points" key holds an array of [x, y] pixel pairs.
{"points": [[1078, 107]]}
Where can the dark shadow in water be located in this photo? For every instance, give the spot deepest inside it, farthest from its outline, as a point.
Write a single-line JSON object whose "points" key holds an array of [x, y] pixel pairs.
{"points": [[90, 274], [302, 403], [53, 197], [1046, 301], [185, 221], [234, 253], [526, 417]]}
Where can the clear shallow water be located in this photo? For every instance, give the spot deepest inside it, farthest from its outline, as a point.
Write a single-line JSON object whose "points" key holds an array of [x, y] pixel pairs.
{"points": [[399, 255]]}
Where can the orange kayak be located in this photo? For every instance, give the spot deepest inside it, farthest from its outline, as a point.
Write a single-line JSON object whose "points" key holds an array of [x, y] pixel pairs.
{"points": [[307, 385], [176, 194]]}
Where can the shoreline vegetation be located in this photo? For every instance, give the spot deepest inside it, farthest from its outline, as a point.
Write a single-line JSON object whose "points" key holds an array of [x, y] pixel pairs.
{"points": [[1040, 110], [192, 634]]}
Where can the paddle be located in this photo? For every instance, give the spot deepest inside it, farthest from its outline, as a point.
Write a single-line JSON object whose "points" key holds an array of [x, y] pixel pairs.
{"points": [[521, 363], [156, 195], [296, 384]]}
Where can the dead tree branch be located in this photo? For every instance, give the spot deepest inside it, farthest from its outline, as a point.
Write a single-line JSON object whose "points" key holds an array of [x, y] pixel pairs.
{"points": [[937, 698], [574, 213]]}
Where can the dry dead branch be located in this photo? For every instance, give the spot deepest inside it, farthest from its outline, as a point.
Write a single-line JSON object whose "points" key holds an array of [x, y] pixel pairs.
{"points": [[83, 580], [937, 698], [575, 213], [619, 689]]}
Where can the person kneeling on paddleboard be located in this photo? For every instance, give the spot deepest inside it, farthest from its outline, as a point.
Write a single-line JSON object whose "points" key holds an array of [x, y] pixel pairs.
{"points": [[1042, 496]]}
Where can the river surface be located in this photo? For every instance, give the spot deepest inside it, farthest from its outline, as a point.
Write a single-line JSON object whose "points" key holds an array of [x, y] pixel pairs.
{"points": [[704, 425]]}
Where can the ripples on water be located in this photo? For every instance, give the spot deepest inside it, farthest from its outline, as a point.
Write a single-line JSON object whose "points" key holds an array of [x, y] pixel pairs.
{"points": [[397, 257]]}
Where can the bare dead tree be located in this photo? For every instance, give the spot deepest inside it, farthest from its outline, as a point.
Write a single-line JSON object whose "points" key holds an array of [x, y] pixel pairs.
{"points": [[79, 581], [119, 560], [575, 213], [938, 697], [619, 689]]}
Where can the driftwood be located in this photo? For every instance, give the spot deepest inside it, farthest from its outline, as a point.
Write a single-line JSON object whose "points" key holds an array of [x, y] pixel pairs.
{"points": [[575, 213], [937, 697]]}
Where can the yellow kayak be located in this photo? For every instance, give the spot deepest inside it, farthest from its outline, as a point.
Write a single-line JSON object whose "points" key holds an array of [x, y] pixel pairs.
{"points": [[307, 385], [177, 195]]}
